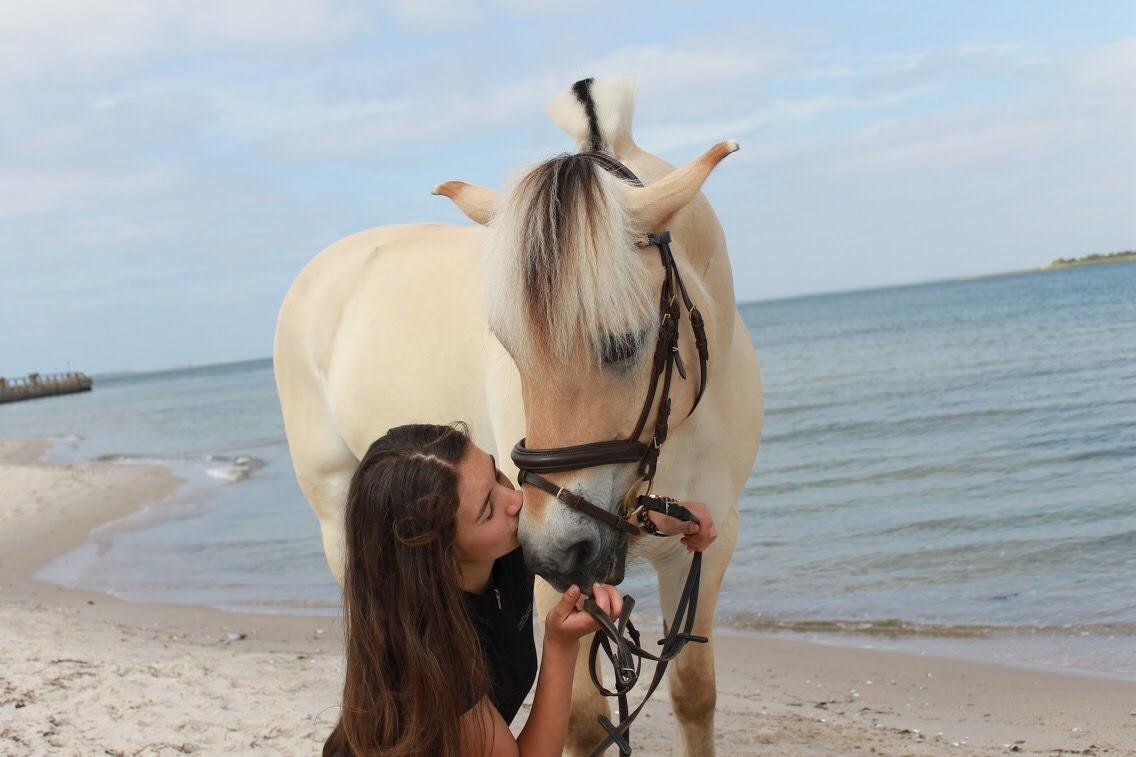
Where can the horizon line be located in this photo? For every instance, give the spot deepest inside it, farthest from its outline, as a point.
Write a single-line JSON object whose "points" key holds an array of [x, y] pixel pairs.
{"points": [[121, 373]]}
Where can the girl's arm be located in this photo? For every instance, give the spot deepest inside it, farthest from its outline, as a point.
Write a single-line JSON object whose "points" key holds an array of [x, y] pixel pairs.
{"points": [[547, 727]]}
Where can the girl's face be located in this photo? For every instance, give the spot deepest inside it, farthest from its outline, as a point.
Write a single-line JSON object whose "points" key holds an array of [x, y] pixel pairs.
{"points": [[488, 508]]}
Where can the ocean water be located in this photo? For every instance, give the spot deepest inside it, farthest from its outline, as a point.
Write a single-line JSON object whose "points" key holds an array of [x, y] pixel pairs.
{"points": [[237, 535], [945, 467]]}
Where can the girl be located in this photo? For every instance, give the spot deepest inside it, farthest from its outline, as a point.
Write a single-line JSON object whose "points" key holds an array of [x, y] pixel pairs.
{"points": [[438, 606]]}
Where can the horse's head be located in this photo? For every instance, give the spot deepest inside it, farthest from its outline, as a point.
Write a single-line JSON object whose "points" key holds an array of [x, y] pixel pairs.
{"points": [[574, 297]]}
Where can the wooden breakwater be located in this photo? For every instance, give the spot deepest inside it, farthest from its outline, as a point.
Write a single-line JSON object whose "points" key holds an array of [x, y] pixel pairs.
{"points": [[35, 385]]}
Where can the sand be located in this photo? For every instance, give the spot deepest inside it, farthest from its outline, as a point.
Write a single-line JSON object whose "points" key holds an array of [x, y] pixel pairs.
{"points": [[85, 673]]}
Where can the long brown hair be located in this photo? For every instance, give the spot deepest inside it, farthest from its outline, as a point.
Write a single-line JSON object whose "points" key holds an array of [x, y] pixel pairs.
{"points": [[414, 665]]}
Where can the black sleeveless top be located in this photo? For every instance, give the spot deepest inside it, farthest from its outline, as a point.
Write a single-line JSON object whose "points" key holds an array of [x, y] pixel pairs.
{"points": [[502, 616]]}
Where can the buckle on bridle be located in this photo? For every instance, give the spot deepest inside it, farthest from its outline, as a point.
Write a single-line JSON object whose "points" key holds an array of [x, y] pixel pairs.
{"points": [[662, 499]]}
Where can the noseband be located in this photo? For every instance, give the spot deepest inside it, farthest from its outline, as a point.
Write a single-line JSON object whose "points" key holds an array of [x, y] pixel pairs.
{"points": [[626, 654]]}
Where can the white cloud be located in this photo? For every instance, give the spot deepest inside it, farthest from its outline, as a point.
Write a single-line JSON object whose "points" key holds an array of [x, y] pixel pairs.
{"points": [[913, 69], [685, 77], [1090, 104], [670, 135], [435, 15], [71, 191], [341, 107], [685, 68], [1109, 70], [549, 7], [77, 129], [937, 144], [100, 233], [81, 41]]}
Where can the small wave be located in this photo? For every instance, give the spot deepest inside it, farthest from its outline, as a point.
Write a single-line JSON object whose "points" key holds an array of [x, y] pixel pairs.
{"points": [[123, 459], [228, 474], [919, 422], [223, 468], [232, 470], [988, 523], [895, 628], [71, 439]]}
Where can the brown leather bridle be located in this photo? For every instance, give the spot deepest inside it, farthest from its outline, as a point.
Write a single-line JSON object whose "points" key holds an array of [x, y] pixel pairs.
{"points": [[533, 462], [625, 654]]}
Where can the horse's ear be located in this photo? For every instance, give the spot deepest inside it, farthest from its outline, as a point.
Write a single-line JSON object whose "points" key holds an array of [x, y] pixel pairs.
{"points": [[651, 206], [477, 202]]}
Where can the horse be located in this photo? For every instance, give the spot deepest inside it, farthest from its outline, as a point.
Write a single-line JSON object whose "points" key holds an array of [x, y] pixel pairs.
{"points": [[538, 322]]}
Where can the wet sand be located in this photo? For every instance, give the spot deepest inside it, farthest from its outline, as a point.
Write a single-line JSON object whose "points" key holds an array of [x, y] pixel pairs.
{"points": [[85, 673]]}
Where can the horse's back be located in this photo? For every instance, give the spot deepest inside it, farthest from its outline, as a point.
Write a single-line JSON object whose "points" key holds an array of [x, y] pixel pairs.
{"points": [[381, 328]]}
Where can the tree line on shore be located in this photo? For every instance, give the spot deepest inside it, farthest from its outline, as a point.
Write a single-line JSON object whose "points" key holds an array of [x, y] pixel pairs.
{"points": [[1106, 257]]}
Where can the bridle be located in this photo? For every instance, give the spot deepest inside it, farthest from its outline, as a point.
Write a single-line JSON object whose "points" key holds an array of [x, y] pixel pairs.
{"points": [[533, 462], [625, 654]]}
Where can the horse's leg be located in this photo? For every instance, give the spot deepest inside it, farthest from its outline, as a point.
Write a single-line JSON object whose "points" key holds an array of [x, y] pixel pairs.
{"points": [[323, 462], [584, 731], [690, 675], [326, 490]]}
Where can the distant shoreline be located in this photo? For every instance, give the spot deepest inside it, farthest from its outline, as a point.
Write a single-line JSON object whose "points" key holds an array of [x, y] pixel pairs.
{"points": [[1057, 266], [1116, 257]]}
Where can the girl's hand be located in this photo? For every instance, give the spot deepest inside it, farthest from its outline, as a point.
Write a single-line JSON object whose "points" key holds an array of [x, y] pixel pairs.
{"points": [[696, 536], [566, 623]]}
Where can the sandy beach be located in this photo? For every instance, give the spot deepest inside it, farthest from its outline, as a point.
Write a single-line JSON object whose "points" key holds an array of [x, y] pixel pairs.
{"points": [[85, 673]]}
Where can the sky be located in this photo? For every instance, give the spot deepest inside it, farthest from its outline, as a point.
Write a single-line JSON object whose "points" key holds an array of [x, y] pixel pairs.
{"points": [[167, 168]]}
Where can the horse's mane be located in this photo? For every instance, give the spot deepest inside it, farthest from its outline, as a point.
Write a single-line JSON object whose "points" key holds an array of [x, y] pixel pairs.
{"points": [[563, 272]]}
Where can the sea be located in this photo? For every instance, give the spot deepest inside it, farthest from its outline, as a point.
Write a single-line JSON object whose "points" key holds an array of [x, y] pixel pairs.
{"points": [[946, 468]]}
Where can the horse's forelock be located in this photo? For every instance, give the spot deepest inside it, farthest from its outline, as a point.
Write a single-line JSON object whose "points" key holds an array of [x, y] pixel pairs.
{"points": [[563, 269]]}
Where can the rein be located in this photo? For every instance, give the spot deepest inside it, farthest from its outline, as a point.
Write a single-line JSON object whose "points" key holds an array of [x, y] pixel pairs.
{"points": [[624, 651]]}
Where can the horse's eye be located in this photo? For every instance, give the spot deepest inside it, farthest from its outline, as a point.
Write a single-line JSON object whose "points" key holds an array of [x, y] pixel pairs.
{"points": [[619, 349]]}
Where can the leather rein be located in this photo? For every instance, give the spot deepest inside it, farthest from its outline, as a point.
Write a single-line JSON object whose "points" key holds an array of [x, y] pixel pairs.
{"points": [[619, 640]]}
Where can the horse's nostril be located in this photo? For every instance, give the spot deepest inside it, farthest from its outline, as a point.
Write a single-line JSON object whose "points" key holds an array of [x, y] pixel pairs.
{"points": [[580, 553]]}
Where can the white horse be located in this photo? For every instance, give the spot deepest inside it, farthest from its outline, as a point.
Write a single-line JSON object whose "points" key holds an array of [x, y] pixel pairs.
{"points": [[541, 325]]}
